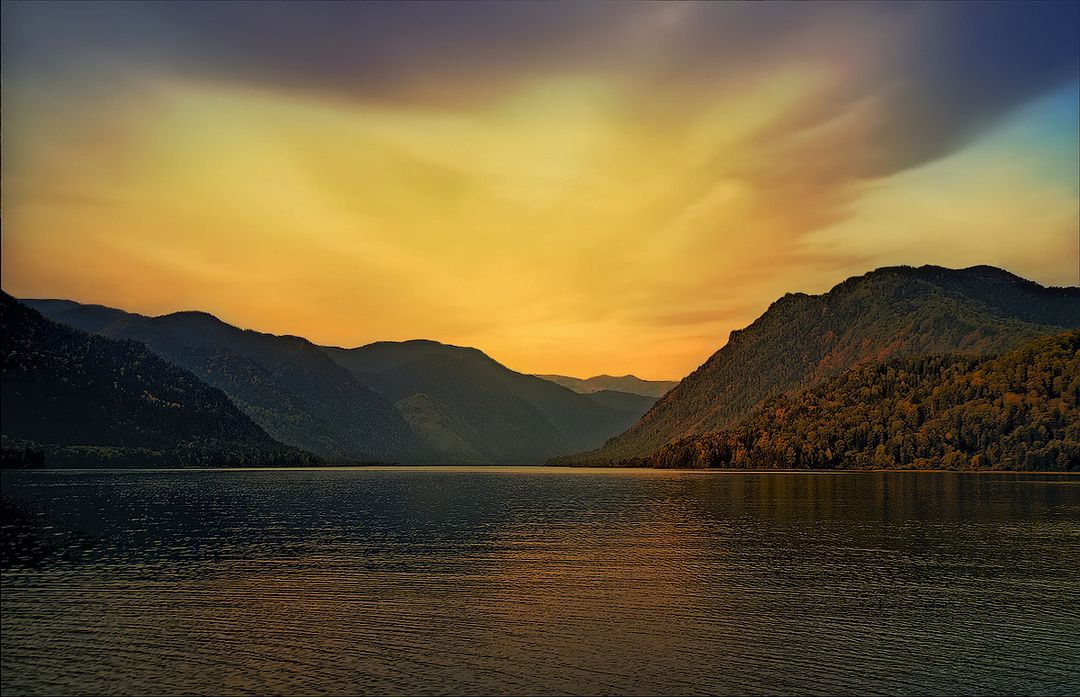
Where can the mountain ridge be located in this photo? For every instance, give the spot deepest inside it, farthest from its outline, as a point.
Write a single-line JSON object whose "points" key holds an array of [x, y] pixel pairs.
{"points": [[473, 409], [79, 399], [424, 401], [615, 383], [287, 384], [1019, 410], [284, 383], [802, 339]]}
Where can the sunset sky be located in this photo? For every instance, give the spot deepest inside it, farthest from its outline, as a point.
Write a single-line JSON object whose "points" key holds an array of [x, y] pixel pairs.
{"points": [[573, 188]]}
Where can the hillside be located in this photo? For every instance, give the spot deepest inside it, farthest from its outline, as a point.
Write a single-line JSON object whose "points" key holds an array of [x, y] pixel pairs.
{"points": [[73, 399], [612, 383], [802, 340], [471, 409], [623, 401], [285, 384], [1017, 411]]}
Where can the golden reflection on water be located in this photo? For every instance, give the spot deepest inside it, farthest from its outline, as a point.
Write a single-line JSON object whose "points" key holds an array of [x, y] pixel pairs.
{"points": [[473, 580]]}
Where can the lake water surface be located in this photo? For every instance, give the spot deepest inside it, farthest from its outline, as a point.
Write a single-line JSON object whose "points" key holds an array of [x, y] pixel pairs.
{"points": [[526, 580]]}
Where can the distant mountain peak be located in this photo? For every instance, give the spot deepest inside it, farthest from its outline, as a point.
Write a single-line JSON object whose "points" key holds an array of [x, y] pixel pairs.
{"points": [[190, 314], [630, 384], [471, 408]]}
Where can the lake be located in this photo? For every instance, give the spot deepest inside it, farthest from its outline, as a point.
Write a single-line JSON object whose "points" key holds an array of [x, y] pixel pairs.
{"points": [[526, 580]]}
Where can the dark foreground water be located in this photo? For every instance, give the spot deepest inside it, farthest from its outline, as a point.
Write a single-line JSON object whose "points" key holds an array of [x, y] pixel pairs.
{"points": [[539, 580]]}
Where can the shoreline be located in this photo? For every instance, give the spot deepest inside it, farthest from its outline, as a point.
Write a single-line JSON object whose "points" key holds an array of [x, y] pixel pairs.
{"points": [[528, 468]]}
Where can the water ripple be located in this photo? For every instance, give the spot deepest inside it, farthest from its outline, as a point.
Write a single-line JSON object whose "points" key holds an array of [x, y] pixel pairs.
{"points": [[521, 581]]}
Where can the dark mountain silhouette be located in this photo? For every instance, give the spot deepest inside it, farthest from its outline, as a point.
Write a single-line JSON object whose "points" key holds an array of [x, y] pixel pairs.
{"points": [[802, 340], [89, 318], [623, 401], [74, 399], [623, 383], [470, 408], [1017, 411], [285, 384]]}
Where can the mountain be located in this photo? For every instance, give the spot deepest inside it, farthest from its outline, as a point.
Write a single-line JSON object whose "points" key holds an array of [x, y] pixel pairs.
{"points": [[471, 409], [71, 398], [624, 383], [1017, 411], [89, 318], [417, 401], [623, 401], [286, 384], [802, 340]]}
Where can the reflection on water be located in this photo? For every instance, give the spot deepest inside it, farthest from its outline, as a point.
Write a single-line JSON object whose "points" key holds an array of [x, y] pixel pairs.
{"points": [[526, 580]]}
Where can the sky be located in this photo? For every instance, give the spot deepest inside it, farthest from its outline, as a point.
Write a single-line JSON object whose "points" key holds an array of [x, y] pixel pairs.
{"points": [[574, 188]]}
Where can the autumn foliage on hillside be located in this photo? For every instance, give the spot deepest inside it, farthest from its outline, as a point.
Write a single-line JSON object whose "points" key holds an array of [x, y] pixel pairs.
{"points": [[1017, 411], [804, 340]]}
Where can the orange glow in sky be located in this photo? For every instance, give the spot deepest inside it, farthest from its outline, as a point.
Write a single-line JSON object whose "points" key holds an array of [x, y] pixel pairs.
{"points": [[581, 214]]}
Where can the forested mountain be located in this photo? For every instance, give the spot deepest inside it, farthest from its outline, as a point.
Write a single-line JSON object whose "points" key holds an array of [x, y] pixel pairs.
{"points": [[1006, 294], [417, 401], [801, 340], [613, 383], [71, 398], [1017, 411], [422, 401], [285, 384], [470, 408]]}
